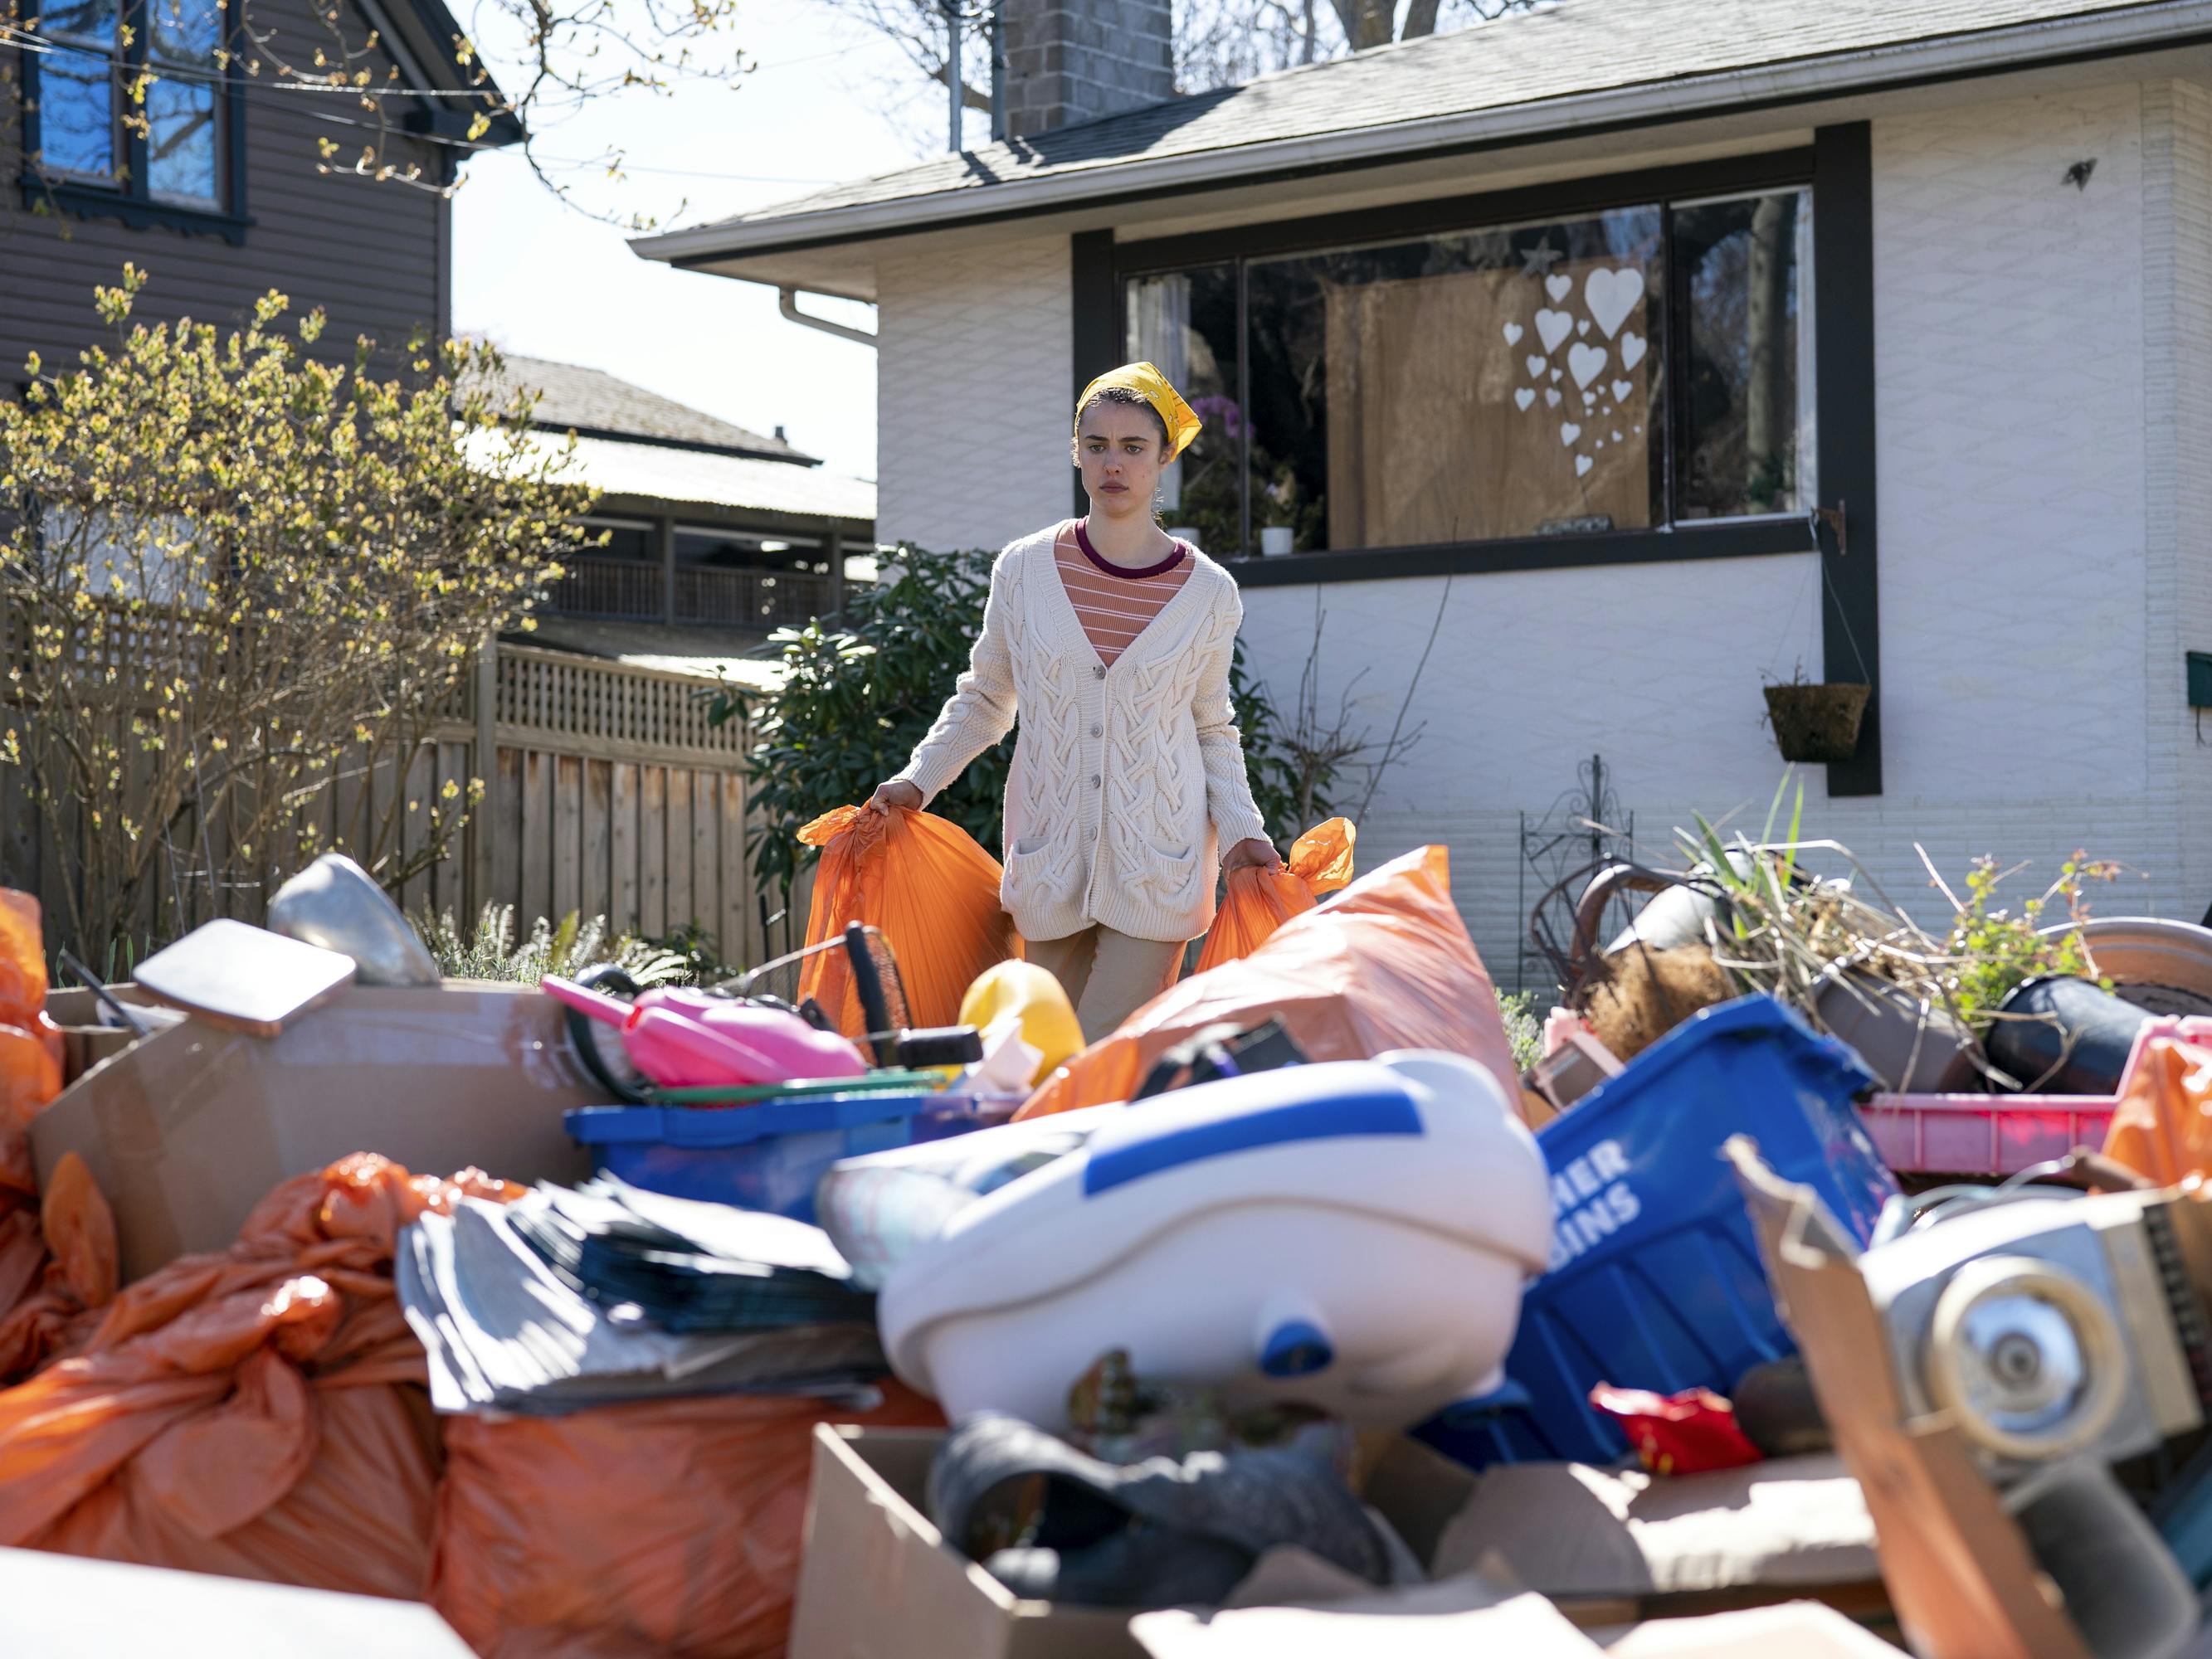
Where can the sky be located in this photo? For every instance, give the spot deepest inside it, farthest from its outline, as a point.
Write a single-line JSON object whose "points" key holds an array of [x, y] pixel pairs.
{"points": [[828, 101]]}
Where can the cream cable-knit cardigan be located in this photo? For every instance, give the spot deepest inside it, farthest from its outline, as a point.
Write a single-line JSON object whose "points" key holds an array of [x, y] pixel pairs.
{"points": [[1121, 776]]}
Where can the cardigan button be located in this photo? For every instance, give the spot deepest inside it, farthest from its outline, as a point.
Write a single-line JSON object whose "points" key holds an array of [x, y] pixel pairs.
{"points": [[1094, 781], [1097, 730], [1098, 672]]}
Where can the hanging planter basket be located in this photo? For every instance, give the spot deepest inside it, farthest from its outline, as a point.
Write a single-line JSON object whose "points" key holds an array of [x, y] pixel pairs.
{"points": [[1817, 723]]}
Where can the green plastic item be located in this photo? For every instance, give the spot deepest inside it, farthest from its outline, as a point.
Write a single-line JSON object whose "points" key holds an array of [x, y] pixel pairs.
{"points": [[882, 1082]]}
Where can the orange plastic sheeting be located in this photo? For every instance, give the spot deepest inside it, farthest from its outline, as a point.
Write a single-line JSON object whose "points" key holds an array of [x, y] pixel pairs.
{"points": [[257, 1411], [23, 980], [923, 883], [2162, 1126], [1257, 902], [667, 1528], [1388, 965]]}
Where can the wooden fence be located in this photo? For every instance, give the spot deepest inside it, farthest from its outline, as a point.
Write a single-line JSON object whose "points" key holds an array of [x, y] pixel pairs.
{"points": [[607, 791]]}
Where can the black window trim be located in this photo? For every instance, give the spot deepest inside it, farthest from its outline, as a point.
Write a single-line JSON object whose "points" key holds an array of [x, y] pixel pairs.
{"points": [[129, 199], [1838, 166]]}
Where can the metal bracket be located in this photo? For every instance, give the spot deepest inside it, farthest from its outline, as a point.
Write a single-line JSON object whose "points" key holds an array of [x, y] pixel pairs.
{"points": [[1833, 518]]}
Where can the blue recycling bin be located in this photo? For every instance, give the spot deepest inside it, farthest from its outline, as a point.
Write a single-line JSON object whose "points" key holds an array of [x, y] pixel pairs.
{"points": [[1655, 1280]]}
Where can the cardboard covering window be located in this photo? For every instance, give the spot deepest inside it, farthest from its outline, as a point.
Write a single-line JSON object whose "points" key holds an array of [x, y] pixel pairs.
{"points": [[1441, 431]]}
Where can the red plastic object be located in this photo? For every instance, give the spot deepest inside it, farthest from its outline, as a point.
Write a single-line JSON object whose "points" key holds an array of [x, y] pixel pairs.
{"points": [[1685, 1433], [2002, 1134]]}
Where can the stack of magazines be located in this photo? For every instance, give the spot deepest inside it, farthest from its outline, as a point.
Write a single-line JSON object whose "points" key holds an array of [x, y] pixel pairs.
{"points": [[574, 1297]]}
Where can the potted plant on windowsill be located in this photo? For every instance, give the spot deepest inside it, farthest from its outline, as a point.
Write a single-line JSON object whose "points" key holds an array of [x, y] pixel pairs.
{"points": [[1816, 720]]}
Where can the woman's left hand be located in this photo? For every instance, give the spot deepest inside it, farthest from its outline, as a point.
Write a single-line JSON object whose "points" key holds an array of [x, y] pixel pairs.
{"points": [[1252, 852]]}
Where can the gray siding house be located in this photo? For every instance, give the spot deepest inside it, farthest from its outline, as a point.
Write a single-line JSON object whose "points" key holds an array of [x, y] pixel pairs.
{"points": [[223, 195]]}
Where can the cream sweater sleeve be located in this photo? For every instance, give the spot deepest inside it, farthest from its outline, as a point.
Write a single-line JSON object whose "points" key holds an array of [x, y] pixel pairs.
{"points": [[1221, 750], [980, 710]]}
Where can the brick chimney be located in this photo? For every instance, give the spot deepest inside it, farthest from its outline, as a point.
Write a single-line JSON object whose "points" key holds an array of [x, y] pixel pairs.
{"points": [[1076, 60]]}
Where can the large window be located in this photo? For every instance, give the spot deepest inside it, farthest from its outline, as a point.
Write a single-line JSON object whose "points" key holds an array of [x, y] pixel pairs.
{"points": [[1630, 369], [133, 108]]}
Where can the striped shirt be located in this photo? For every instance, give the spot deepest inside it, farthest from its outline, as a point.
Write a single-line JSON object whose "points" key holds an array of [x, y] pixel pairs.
{"points": [[1114, 603]]}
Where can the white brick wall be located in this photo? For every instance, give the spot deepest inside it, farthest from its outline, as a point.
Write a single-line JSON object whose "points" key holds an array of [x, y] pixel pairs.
{"points": [[2023, 454], [2178, 349], [2044, 372], [972, 394]]}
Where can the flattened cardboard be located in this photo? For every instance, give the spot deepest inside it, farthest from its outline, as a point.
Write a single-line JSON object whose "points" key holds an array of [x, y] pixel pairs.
{"points": [[1802, 1630], [1570, 1530], [1457, 1619], [187, 1130], [64, 1606], [1959, 1570], [879, 1582], [244, 978]]}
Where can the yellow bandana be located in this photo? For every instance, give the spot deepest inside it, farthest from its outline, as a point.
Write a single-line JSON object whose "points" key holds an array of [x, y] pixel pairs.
{"points": [[1153, 386]]}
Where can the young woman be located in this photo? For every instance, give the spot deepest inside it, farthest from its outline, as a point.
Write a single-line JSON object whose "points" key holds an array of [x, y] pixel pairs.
{"points": [[1112, 639]]}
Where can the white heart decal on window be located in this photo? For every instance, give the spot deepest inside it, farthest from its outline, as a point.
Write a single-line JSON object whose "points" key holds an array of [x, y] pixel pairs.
{"points": [[1535, 365], [1622, 388], [1583, 465], [1555, 376], [1632, 351], [1553, 326], [1611, 295], [1568, 433], [1585, 362], [1589, 399], [1583, 328], [1525, 396], [1559, 287], [1552, 396], [1616, 437], [1513, 333]]}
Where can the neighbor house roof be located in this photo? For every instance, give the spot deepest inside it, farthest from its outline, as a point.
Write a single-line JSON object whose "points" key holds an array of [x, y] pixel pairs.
{"points": [[657, 472], [593, 403], [1566, 64]]}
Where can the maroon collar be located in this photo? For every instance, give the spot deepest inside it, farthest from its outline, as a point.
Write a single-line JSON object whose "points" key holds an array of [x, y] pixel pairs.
{"points": [[1082, 541]]}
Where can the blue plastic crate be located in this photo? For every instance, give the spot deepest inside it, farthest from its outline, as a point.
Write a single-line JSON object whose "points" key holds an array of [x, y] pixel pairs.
{"points": [[1655, 1281], [764, 1157]]}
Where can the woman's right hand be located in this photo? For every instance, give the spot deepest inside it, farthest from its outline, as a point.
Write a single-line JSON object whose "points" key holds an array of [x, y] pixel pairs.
{"points": [[897, 793]]}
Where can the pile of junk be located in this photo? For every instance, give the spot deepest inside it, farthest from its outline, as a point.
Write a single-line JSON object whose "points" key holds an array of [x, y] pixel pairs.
{"points": [[1824, 1280]]}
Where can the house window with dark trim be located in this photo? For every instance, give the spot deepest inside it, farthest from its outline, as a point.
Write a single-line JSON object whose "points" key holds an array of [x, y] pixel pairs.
{"points": [[1632, 369], [133, 110]]}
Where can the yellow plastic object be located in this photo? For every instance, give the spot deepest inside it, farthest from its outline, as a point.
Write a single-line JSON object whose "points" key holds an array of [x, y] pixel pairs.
{"points": [[1023, 988]]}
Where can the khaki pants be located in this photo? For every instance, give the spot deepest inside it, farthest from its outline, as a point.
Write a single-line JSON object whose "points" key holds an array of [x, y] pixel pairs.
{"points": [[1107, 975]]}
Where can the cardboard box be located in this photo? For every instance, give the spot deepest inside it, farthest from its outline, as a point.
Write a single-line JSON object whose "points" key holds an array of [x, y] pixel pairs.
{"points": [[879, 1581], [188, 1129], [87, 1040]]}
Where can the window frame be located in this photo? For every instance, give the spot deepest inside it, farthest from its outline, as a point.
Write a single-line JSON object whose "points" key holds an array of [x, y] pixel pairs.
{"points": [[129, 197], [1842, 526], [1748, 534]]}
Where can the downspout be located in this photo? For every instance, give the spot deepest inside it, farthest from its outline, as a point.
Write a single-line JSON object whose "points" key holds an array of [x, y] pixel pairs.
{"points": [[787, 302]]}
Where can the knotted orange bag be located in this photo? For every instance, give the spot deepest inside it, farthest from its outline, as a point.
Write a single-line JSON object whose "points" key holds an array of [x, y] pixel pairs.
{"points": [[1387, 965], [923, 883], [2162, 1126], [1258, 900]]}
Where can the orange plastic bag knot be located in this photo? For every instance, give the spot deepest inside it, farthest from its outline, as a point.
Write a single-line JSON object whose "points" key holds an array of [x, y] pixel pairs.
{"points": [[1258, 900]]}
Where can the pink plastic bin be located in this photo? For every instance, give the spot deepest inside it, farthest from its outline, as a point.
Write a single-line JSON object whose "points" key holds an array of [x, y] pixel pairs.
{"points": [[2002, 1134]]}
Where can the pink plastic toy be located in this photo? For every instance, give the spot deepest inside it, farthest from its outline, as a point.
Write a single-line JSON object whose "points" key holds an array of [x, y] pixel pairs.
{"points": [[686, 1039]]}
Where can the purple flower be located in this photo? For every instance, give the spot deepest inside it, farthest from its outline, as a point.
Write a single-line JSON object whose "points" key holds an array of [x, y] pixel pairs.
{"points": [[1220, 413]]}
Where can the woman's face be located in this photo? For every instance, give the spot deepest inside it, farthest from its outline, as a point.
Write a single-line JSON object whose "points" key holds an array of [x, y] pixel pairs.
{"points": [[1118, 448]]}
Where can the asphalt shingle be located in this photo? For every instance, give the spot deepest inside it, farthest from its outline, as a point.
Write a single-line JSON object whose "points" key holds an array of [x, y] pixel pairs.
{"points": [[573, 397], [1559, 50]]}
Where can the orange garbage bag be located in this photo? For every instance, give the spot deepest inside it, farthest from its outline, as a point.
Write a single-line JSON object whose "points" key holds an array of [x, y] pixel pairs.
{"points": [[2162, 1126], [923, 883], [671, 1527], [259, 1412], [1388, 965], [1257, 902]]}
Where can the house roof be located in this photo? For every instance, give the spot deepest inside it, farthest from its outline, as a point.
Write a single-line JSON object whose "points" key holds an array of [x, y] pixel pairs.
{"points": [[420, 36], [652, 471], [593, 403], [1567, 65]]}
